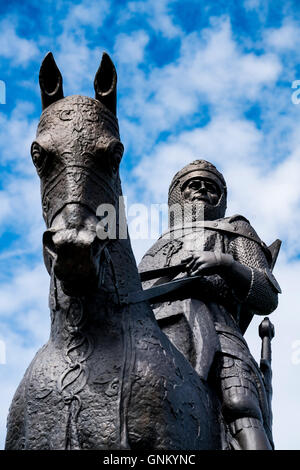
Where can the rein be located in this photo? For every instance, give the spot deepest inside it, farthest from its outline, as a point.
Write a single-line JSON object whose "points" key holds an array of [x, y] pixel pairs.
{"points": [[153, 294]]}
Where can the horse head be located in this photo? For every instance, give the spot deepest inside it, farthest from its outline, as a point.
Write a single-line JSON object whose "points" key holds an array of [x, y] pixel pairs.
{"points": [[77, 152]]}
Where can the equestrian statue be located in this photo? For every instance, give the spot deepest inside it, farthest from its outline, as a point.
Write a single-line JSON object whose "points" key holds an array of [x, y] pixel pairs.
{"points": [[111, 375], [108, 377]]}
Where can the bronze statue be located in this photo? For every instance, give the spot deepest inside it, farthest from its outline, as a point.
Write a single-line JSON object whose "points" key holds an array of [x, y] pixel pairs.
{"points": [[206, 313], [108, 378]]}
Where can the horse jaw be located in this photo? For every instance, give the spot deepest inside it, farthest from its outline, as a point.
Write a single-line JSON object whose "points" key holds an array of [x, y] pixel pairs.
{"points": [[75, 251]]}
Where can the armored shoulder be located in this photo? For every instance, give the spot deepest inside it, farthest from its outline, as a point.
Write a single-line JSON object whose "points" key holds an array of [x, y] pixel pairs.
{"points": [[247, 248], [238, 225], [241, 226]]}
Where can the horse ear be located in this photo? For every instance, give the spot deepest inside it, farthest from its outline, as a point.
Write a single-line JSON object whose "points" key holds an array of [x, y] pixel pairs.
{"points": [[105, 84], [50, 81]]}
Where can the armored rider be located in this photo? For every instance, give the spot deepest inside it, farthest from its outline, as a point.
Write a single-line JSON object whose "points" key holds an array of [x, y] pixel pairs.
{"points": [[233, 281]]}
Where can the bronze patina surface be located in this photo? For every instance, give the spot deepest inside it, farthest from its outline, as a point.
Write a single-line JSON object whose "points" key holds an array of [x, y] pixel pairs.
{"points": [[108, 378], [208, 276]]}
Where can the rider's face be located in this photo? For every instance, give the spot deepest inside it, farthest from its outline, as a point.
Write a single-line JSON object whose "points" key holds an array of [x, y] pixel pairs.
{"points": [[202, 189]]}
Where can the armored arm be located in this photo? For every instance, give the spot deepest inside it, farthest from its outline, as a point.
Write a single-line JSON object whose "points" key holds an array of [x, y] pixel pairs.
{"points": [[262, 294], [243, 267], [236, 275]]}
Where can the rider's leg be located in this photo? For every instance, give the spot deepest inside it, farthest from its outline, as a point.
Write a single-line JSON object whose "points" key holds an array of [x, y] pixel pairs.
{"points": [[240, 404], [250, 434]]}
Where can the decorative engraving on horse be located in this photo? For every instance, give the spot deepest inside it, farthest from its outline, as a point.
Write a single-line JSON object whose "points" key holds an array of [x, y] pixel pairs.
{"points": [[107, 378]]}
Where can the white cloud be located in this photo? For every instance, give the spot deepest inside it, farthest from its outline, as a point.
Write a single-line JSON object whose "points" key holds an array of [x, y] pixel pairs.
{"points": [[283, 38], [21, 211], [31, 285], [75, 56], [78, 63], [129, 48], [20, 206], [158, 14], [223, 141], [24, 327], [211, 70], [259, 6], [17, 132], [252, 4], [89, 13], [19, 50]]}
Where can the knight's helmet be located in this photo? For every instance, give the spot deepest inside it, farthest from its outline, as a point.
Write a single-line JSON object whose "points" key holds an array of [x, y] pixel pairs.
{"points": [[181, 211]]}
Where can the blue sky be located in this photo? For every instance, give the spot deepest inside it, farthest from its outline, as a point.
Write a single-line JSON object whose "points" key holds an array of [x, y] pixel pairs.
{"points": [[209, 79]]}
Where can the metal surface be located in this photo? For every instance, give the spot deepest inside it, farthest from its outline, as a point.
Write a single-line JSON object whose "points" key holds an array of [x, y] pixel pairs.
{"points": [[108, 378], [206, 319]]}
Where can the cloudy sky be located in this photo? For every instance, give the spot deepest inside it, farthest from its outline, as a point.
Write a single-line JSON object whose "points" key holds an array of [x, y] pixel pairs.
{"points": [[207, 79]]}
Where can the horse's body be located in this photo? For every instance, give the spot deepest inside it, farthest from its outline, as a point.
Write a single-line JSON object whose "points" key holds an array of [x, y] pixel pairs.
{"points": [[133, 391], [108, 378]]}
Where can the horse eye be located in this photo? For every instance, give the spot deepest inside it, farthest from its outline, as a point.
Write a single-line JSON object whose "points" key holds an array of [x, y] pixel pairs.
{"points": [[109, 157], [39, 156], [115, 163], [116, 152]]}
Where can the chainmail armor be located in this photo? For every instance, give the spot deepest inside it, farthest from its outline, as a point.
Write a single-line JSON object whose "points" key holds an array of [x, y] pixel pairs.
{"points": [[262, 297], [181, 210]]}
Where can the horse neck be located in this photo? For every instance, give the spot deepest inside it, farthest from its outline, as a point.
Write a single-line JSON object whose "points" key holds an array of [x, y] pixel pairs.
{"points": [[86, 314], [118, 276]]}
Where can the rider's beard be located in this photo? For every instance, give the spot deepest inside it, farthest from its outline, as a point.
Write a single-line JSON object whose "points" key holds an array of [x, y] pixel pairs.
{"points": [[186, 211]]}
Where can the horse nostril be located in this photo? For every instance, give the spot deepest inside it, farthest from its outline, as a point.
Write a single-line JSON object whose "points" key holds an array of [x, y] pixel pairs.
{"points": [[95, 247], [48, 243], [74, 262], [74, 254]]}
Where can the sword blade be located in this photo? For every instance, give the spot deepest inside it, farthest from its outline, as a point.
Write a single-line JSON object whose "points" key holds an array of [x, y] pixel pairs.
{"points": [[156, 293], [160, 272]]}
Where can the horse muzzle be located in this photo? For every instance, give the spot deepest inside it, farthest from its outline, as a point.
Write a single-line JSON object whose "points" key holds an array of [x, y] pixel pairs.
{"points": [[74, 258]]}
